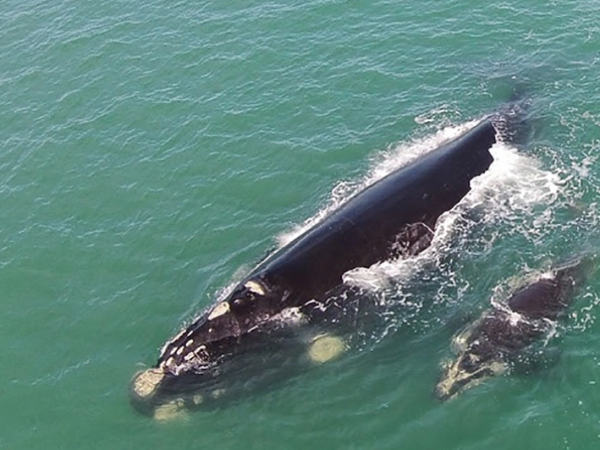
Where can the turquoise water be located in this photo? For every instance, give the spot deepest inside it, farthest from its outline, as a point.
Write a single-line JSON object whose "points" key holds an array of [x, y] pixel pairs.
{"points": [[151, 152]]}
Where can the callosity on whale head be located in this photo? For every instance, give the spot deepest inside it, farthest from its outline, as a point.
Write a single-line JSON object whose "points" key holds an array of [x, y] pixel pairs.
{"points": [[479, 358], [489, 346]]}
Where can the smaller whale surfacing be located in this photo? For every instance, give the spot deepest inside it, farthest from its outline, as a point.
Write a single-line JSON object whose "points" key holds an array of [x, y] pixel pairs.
{"points": [[490, 346]]}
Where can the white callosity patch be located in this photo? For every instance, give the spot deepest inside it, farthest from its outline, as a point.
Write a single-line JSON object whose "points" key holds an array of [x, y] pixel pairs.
{"points": [[460, 342], [219, 310], [145, 383], [191, 358], [456, 379], [185, 355], [290, 316], [164, 348], [255, 286]]}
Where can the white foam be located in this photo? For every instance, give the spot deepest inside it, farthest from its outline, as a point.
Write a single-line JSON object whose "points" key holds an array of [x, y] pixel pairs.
{"points": [[514, 184], [585, 316]]}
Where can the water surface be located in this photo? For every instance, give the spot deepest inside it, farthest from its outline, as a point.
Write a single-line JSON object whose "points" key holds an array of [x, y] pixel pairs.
{"points": [[151, 152]]}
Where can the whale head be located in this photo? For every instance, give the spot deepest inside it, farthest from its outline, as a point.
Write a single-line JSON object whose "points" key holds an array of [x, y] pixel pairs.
{"points": [[473, 365], [217, 349]]}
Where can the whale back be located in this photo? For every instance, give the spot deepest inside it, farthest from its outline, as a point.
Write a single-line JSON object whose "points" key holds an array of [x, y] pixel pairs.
{"points": [[550, 295], [399, 211]]}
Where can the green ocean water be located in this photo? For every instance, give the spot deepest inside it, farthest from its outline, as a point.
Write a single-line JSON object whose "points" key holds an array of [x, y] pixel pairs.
{"points": [[151, 152]]}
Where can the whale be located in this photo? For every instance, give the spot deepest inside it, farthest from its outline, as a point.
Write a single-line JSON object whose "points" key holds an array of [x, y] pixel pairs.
{"points": [[301, 285], [502, 335]]}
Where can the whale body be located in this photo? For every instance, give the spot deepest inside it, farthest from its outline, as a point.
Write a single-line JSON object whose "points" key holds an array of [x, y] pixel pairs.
{"points": [[490, 345], [394, 217]]}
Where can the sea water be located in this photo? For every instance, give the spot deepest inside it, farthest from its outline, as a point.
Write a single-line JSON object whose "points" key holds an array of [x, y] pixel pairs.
{"points": [[152, 152]]}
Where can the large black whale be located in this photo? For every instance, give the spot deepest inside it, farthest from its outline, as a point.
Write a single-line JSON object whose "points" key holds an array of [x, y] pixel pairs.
{"points": [[491, 345], [394, 217]]}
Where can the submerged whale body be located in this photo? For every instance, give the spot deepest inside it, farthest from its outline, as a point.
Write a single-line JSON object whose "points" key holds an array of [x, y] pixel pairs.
{"points": [[501, 335], [290, 290]]}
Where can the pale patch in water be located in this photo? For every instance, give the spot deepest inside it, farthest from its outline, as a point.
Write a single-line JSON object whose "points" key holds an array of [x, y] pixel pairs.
{"points": [[325, 348], [218, 393], [170, 411], [219, 310], [498, 367]]}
